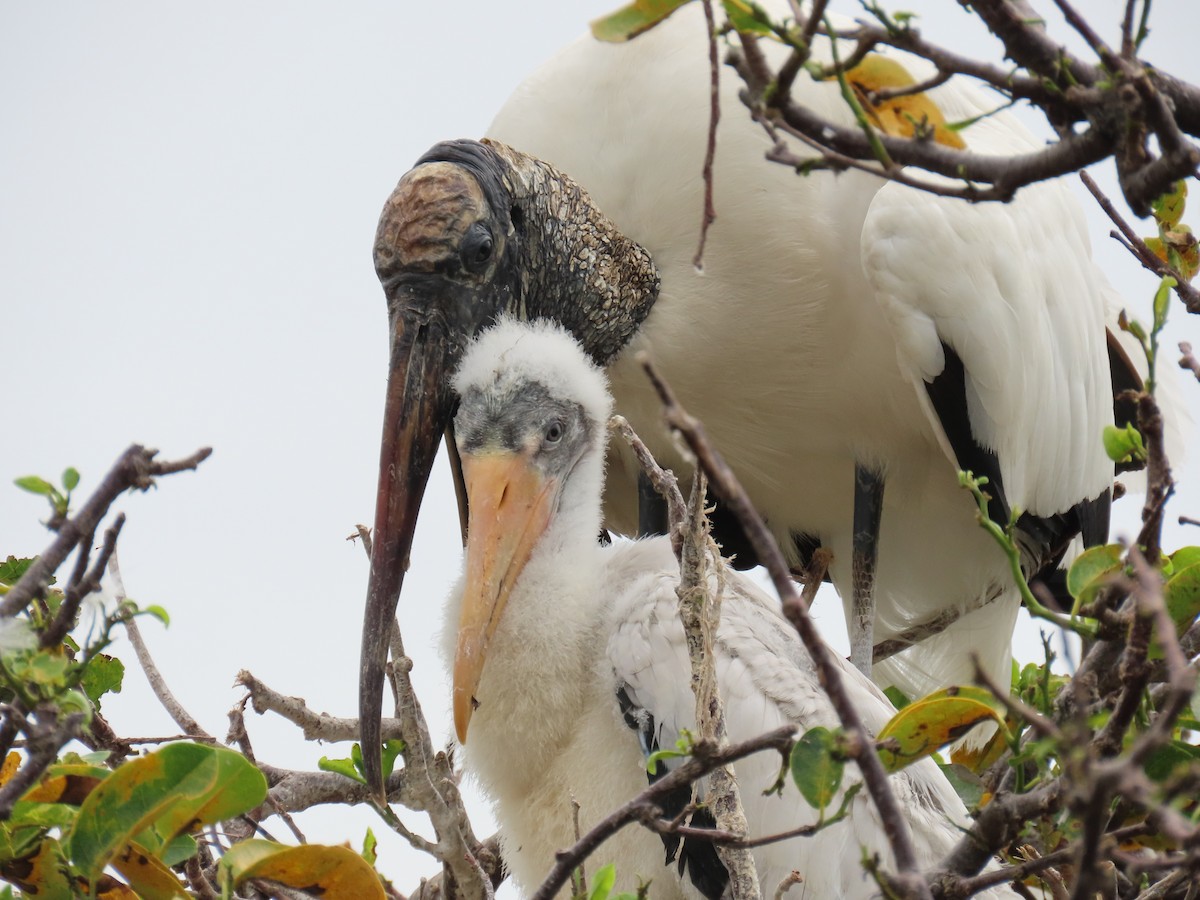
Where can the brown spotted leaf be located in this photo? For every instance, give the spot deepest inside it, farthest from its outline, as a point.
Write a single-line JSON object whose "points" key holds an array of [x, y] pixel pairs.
{"points": [[147, 874], [922, 727], [332, 873]]}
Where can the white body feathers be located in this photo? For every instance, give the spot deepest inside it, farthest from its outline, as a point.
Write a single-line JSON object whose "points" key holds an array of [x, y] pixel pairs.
{"points": [[823, 304]]}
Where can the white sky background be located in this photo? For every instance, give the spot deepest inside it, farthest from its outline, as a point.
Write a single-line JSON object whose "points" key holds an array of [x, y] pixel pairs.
{"points": [[188, 197]]}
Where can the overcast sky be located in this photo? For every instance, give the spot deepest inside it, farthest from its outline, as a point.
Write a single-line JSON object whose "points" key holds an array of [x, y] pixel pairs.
{"points": [[188, 197]]}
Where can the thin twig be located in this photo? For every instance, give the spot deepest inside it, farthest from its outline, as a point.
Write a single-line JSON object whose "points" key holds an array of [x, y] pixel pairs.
{"points": [[135, 469], [710, 151], [1136, 246], [704, 759], [158, 684], [81, 585], [1187, 361]]}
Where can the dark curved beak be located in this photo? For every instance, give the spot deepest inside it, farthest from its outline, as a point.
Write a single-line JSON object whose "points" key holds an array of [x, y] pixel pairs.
{"points": [[417, 411]]}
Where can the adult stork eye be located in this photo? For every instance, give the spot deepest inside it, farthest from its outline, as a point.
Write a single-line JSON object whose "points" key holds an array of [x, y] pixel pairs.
{"points": [[554, 432], [477, 246]]}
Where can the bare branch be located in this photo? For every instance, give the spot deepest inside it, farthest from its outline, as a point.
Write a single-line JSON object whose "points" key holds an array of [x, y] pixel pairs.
{"points": [[316, 726]]}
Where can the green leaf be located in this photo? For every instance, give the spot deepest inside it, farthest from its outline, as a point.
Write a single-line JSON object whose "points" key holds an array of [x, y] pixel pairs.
{"points": [[179, 848], [653, 760], [924, 725], [43, 815], [1162, 301], [1169, 758], [1168, 209], [70, 702], [335, 873], [966, 784], [103, 675], [748, 17], [1092, 569], [370, 850], [35, 485], [70, 478], [898, 697], [391, 749], [817, 767], [1184, 557], [157, 612], [1123, 444], [633, 19], [342, 767], [602, 882], [177, 788], [1182, 596], [13, 568], [43, 668]]}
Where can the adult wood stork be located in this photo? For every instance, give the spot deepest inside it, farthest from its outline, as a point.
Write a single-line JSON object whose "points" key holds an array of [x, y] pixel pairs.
{"points": [[569, 661], [845, 332]]}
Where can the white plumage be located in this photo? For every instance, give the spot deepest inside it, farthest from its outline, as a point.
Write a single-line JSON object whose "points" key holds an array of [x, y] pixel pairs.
{"points": [[577, 622], [805, 344]]}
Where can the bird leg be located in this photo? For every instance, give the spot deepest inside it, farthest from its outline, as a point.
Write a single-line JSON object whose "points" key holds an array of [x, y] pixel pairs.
{"points": [[868, 507], [652, 509]]}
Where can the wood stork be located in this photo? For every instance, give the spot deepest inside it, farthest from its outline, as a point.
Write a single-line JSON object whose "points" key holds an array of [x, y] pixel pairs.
{"points": [[569, 661], [844, 332]]}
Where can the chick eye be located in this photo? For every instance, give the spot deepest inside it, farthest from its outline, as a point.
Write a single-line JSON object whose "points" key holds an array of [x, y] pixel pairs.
{"points": [[554, 432], [477, 246]]}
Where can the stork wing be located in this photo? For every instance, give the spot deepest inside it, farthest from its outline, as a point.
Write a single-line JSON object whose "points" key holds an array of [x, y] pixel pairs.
{"points": [[766, 679], [999, 319]]}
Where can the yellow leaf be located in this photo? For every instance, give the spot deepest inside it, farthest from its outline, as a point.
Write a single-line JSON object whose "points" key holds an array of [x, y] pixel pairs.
{"points": [[147, 874], [922, 727], [67, 783], [333, 873], [9, 767], [908, 115]]}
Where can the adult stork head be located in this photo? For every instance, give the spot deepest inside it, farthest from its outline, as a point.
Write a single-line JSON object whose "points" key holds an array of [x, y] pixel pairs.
{"points": [[473, 230]]}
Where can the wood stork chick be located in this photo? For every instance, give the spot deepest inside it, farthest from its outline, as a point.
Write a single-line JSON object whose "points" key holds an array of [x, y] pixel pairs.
{"points": [[569, 662]]}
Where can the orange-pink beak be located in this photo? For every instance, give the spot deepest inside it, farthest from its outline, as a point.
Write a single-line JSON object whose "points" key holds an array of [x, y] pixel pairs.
{"points": [[511, 504]]}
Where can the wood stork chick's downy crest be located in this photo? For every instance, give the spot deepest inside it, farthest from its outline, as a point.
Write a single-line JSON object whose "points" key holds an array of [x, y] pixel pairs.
{"points": [[570, 664]]}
